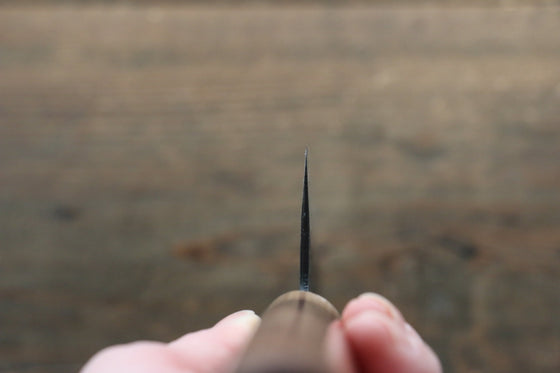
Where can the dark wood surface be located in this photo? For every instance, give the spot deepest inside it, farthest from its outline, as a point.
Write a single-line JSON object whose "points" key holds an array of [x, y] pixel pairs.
{"points": [[151, 165]]}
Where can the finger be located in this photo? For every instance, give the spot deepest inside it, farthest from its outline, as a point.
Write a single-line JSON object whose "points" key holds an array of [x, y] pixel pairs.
{"points": [[382, 341], [219, 348], [209, 350], [339, 355], [137, 357]]}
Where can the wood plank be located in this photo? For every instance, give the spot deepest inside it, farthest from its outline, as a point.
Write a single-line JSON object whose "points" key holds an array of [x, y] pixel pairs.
{"points": [[151, 164]]}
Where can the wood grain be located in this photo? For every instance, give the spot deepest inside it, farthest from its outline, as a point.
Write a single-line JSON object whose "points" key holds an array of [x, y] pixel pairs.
{"points": [[151, 159], [291, 336]]}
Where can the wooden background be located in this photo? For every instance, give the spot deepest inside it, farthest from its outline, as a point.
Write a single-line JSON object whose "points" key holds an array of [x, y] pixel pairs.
{"points": [[151, 163]]}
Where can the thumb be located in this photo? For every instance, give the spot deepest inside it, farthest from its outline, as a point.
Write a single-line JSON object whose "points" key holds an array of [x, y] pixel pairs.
{"points": [[211, 350], [217, 349]]}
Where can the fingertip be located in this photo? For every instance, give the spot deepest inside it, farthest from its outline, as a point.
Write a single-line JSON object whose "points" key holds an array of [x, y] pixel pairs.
{"points": [[338, 352], [219, 347], [232, 330], [246, 319], [382, 342], [373, 302], [374, 329], [237, 328]]}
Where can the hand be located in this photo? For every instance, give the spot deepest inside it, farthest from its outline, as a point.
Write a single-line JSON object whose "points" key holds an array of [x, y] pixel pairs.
{"points": [[371, 336]]}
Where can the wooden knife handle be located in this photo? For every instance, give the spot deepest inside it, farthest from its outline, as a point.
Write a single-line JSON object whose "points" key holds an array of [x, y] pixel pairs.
{"points": [[291, 336]]}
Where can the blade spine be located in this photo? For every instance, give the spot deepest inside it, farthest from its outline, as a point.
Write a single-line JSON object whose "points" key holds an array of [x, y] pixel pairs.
{"points": [[305, 239]]}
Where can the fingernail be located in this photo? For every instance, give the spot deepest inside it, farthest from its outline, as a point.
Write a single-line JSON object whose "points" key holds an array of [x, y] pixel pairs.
{"points": [[246, 319], [381, 304]]}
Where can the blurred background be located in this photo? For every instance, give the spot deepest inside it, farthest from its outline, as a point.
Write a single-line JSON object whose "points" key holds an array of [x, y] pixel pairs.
{"points": [[151, 159]]}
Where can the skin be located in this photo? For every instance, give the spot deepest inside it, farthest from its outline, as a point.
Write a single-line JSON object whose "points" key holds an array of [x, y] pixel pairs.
{"points": [[371, 337]]}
